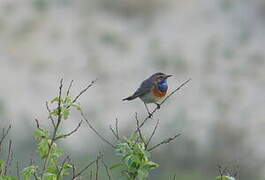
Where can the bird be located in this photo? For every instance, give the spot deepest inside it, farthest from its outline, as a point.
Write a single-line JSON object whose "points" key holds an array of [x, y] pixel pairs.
{"points": [[152, 90]]}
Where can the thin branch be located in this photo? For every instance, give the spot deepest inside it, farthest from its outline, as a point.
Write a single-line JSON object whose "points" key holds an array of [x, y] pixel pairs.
{"points": [[9, 157], [49, 111], [95, 131], [153, 133], [91, 175], [62, 166], [70, 133], [84, 169], [117, 127], [174, 177], [139, 130], [106, 167], [97, 173], [17, 167], [73, 171], [166, 141], [5, 133], [159, 105], [38, 124], [84, 90], [116, 131], [113, 132], [69, 88]]}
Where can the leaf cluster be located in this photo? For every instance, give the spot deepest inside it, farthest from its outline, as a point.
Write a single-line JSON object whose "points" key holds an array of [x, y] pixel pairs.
{"points": [[136, 160]]}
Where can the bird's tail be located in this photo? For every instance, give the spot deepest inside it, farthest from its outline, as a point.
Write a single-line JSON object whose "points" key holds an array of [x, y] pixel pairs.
{"points": [[129, 98]]}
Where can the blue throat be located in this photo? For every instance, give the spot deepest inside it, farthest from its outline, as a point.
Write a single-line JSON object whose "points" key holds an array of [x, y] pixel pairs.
{"points": [[162, 85]]}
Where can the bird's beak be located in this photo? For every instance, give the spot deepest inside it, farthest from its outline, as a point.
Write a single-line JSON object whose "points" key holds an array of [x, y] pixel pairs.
{"points": [[167, 76]]}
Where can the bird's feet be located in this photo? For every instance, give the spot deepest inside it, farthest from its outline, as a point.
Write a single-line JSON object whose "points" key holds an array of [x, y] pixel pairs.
{"points": [[158, 106], [150, 115]]}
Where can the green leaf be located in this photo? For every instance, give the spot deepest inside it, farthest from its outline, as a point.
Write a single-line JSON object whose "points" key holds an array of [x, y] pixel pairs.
{"points": [[76, 106], [56, 99], [2, 164], [151, 165], [225, 178], [29, 171], [49, 176], [43, 148], [41, 133], [116, 165], [66, 113], [7, 178]]}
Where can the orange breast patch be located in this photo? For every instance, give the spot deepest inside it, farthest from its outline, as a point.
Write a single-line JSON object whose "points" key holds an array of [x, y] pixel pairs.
{"points": [[157, 93]]}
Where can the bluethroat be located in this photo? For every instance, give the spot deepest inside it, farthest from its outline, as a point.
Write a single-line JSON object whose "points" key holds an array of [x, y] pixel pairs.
{"points": [[152, 90]]}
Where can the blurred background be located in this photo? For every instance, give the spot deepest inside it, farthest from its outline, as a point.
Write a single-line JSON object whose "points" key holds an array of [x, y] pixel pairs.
{"points": [[219, 44]]}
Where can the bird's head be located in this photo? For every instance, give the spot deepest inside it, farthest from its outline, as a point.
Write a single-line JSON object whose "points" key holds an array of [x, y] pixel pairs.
{"points": [[160, 77]]}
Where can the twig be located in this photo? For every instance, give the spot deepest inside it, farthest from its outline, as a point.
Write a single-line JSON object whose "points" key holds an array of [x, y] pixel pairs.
{"points": [[113, 132], [153, 133], [95, 131], [69, 88], [38, 124], [84, 90], [84, 169], [139, 130], [166, 141], [17, 167], [174, 177], [117, 127], [62, 166], [70, 133], [97, 174], [116, 131], [106, 167], [168, 96], [49, 111], [5, 133], [73, 171], [9, 157], [91, 175]]}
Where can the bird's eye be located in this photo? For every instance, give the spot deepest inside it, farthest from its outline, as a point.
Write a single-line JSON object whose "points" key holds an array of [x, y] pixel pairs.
{"points": [[160, 77]]}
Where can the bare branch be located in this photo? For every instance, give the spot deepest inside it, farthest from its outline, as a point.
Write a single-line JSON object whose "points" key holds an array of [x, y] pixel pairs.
{"points": [[49, 111], [70, 133], [5, 133], [84, 169], [97, 173], [69, 88], [166, 141], [159, 105], [83, 91], [153, 133], [95, 131], [106, 167], [66, 159], [113, 132], [116, 131], [38, 124], [139, 130], [117, 127], [17, 167], [9, 157], [91, 175]]}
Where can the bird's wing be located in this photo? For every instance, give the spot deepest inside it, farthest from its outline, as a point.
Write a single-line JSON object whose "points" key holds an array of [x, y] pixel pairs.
{"points": [[144, 88]]}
